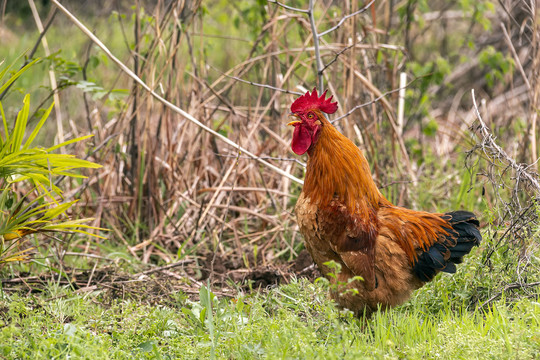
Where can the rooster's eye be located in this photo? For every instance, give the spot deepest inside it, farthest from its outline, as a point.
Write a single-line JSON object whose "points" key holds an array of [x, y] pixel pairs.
{"points": [[310, 116]]}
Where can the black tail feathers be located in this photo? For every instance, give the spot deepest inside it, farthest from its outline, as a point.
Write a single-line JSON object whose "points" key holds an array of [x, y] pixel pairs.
{"points": [[449, 251]]}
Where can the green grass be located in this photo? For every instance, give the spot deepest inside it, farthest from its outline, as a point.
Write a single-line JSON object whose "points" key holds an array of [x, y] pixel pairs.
{"points": [[294, 321], [442, 320]]}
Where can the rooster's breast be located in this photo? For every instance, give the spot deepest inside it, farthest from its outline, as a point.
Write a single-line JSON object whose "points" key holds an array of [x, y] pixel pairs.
{"points": [[314, 232]]}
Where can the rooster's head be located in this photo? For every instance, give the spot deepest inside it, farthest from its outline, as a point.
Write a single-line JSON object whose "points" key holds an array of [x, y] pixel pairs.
{"points": [[308, 110]]}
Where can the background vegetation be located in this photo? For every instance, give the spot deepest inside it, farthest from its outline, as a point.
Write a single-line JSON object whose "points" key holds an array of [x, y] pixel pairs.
{"points": [[193, 222]]}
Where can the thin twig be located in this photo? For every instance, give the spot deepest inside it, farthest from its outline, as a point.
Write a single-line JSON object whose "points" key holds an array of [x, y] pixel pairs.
{"points": [[92, 256], [318, 59], [288, 7], [337, 56], [515, 55], [508, 287], [345, 18], [373, 101], [301, 163], [261, 85], [243, 188], [164, 267], [401, 102]]}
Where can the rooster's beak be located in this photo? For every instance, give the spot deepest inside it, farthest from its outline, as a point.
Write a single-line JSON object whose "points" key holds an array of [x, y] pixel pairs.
{"points": [[294, 122]]}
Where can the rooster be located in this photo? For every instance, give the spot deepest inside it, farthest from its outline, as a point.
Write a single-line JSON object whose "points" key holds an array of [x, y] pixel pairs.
{"points": [[383, 252]]}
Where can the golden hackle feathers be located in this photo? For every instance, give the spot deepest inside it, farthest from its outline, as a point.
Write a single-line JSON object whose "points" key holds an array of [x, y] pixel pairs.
{"points": [[337, 167]]}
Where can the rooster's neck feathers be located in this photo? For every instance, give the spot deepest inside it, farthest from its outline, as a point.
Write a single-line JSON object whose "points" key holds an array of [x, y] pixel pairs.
{"points": [[337, 168]]}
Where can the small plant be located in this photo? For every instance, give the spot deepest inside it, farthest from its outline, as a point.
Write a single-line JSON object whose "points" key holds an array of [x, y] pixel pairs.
{"points": [[212, 318], [341, 287], [30, 202]]}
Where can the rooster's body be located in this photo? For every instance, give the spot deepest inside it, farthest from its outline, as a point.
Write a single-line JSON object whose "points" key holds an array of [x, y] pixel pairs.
{"points": [[344, 218]]}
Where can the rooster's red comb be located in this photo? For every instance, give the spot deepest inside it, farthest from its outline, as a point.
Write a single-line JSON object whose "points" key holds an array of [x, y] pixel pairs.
{"points": [[313, 101]]}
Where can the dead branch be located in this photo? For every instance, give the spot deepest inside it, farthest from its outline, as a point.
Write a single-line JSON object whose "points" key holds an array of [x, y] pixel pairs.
{"points": [[494, 151], [506, 288]]}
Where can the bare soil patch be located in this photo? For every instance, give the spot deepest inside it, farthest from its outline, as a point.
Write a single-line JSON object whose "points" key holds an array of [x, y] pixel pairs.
{"points": [[169, 283]]}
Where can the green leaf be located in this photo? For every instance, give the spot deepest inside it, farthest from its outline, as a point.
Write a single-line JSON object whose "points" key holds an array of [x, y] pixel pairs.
{"points": [[431, 128], [38, 127], [58, 210], [6, 132], [65, 143], [16, 75], [147, 346], [20, 124]]}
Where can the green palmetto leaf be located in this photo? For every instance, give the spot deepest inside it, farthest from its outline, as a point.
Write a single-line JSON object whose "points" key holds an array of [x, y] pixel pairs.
{"points": [[41, 209], [42, 157], [69, 142], [74, 226], [21, 212], [15, 256], [39, 166], [58, 210], [16, 75], [6, 131], [32, 216], [20, 125], [20, 162], [38, 127], [2, 72]]}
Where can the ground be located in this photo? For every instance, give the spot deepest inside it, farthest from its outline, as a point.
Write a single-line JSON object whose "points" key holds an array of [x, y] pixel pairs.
{"points": [[273, 313]]}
